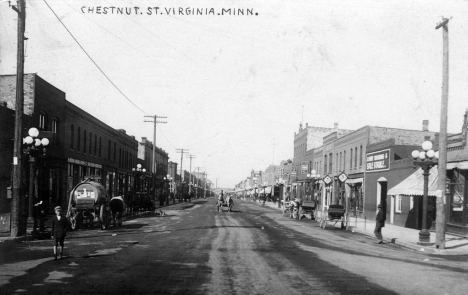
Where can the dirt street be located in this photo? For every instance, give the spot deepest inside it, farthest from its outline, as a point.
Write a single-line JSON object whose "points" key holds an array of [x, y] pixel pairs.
{"points": [[194, 249]]}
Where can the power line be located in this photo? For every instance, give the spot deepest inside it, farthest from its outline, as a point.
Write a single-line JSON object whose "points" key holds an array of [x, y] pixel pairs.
{"points": [[118, 89]]}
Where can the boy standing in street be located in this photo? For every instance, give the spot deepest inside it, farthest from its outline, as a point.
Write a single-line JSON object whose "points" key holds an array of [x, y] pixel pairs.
{"points": [[59, 230], [379, 223]]}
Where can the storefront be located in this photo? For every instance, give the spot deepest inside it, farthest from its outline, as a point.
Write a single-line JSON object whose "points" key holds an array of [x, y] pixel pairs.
{"points": [[354, 189], [456, 192]]}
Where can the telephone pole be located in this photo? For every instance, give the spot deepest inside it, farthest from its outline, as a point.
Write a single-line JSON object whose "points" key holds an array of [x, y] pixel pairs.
{"points": [[190, 180], [198, 180], [442, 165], [154, 120], [205, 178], [17, 161], [181, 151]]}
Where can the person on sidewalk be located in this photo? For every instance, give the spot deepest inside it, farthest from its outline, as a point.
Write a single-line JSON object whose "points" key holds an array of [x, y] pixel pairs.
{"points": [[379, 223], [60, 227]]}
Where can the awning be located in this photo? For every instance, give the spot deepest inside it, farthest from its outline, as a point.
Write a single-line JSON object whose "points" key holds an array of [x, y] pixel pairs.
{"points": [[414, 184], [354, 180], [460, 165]]}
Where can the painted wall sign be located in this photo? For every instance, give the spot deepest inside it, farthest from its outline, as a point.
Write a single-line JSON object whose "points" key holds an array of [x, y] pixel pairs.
{"points": [[378, 161], [304, 167]]}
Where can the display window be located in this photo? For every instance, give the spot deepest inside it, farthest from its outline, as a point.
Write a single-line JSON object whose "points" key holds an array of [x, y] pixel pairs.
{"points": [[456, 192]]}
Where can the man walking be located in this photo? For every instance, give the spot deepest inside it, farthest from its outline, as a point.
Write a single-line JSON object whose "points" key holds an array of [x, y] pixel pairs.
{"points": [[379, 223]]}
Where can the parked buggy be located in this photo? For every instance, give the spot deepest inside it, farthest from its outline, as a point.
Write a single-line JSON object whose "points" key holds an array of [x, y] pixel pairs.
{"points": [[308, 208], [334, 213]]}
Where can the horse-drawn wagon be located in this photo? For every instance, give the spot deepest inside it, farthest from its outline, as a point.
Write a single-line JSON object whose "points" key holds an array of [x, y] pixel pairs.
{"points": [[334, 213], [227, 204], [88, 201]]}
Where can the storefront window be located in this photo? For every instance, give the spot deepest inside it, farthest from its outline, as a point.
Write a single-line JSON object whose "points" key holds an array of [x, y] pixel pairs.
{"points": [[456, 188]]}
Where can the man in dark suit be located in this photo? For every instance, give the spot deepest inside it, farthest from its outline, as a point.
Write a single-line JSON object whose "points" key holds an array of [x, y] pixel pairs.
{"points": [[60, 227], [379, 223]]}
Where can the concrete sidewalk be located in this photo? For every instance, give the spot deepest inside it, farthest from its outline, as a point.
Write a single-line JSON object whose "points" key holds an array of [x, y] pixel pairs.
{"points": [[407, 237]]}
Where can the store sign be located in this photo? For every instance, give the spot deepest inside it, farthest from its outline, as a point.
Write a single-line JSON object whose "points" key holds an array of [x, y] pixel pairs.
{"points": [[342, 177], [304, 167], [378, 161]]}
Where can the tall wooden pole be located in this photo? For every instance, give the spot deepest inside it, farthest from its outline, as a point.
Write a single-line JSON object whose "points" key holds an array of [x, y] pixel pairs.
{"points": [[154, 167], [441, 201], [181, 151], [17, 158]]}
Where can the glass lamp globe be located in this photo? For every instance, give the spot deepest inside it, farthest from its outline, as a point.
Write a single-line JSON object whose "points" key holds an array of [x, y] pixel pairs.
{"points": [[44, 141], [28, 140], [308, 175], [313, 172], [430, 154], [144, 170], [37, 142], [139, 166], [415, 154], [427, 145], [33, 132], [422, 155], [436, 155]]}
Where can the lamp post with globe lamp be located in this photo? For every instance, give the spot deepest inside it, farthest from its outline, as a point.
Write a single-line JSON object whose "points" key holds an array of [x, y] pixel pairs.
{"points": [[426, 159], [33, 149], [137, 172], [314, 177]]}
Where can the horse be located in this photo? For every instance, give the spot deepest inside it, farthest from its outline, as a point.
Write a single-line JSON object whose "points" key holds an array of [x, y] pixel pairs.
{"points": [[117, 207], [230, 203], [295, 209]]}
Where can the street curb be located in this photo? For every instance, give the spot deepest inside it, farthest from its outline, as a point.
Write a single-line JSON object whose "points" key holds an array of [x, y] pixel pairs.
{"points": [[12, 240], [396, 241]]}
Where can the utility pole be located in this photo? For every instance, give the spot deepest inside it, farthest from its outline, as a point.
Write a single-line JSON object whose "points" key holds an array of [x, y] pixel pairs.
{"points": [[154, 120], [442, 165], [181, 151], [190, 177], [205, 175], [17, 159], [198, 179]]}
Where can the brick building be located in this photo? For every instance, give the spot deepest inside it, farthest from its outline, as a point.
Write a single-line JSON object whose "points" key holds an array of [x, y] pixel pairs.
{"points": [[81, 145]]}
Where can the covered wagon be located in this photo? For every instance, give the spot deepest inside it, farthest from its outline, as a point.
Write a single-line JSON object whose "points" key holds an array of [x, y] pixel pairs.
{"points": [[89, 200]]}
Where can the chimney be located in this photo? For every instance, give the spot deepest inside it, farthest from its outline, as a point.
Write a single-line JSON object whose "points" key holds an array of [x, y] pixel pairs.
{"points": [[335, 126], [300, 126], [307, 125], [425, 126]]}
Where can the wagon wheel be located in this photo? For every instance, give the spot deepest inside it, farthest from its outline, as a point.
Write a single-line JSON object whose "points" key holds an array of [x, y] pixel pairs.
{"points": [[324, 218], [72, 221], [347, 220], [103, 217]]}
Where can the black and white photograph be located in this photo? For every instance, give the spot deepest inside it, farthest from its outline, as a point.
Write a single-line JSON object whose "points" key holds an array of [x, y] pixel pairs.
{"points": [[234, 147]]}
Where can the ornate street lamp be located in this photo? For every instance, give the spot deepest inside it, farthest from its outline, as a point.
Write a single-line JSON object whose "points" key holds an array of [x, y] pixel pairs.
{"points": [[33, 149], [426, 159], [137, 172], [314, 177]]}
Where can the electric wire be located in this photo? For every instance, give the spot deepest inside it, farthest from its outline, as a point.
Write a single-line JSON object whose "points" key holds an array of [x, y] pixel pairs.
{"points": [[92, 60]]}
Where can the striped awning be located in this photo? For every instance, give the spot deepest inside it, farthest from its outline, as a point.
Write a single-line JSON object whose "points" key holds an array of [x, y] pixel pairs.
{"points": [[413, 185]]}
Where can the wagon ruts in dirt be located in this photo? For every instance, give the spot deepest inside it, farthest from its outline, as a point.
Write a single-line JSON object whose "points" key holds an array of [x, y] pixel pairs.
{"points": [[89, 203], [335, 214]]}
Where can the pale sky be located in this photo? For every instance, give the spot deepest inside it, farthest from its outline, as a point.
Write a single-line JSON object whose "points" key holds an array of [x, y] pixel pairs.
{"points": [[235, 88]]}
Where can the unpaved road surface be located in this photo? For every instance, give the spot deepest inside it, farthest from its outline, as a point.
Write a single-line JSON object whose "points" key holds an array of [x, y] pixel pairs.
{"points": [[194, 249]]}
